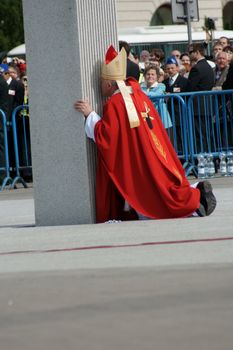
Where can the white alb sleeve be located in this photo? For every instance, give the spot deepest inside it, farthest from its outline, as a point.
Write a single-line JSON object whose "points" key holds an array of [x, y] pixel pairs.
{"points": [[91, 121]]}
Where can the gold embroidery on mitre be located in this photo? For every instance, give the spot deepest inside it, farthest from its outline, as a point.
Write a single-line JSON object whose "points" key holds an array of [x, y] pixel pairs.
{"points": [[159, 146], [116, 69]]}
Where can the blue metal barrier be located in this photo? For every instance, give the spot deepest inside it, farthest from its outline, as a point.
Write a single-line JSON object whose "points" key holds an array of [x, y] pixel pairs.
{"points": [[16, 116], [210, 124], [4, 144], [202, 122], [178, 133], [205, 123]]}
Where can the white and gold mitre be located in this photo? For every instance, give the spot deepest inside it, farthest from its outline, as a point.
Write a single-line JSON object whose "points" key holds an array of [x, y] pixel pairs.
{"points": [[114, 68]]}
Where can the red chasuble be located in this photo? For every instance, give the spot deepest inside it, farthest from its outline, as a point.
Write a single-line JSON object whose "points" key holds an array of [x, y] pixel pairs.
{"points": [[139, 164]]}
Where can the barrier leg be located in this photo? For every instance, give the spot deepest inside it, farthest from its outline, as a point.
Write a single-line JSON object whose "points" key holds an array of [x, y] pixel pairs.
{"points": [[4, 156], [17, 178]]}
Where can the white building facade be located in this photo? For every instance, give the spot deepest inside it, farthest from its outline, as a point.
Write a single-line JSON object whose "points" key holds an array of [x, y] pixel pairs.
{"points": [[133, 13]]}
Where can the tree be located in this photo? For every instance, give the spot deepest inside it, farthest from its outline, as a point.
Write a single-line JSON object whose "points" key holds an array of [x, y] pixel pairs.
{"points": [[11, 24]]}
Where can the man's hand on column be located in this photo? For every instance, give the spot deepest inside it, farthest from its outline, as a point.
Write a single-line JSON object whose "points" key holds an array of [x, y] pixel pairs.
{"points": [[83, 107]]}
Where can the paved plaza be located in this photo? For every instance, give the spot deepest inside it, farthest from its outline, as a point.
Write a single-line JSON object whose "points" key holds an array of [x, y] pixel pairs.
{"points": [[165, 284]]}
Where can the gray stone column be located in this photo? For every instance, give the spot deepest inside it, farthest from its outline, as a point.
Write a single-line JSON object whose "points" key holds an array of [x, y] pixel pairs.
{"points": [[65, 44]]}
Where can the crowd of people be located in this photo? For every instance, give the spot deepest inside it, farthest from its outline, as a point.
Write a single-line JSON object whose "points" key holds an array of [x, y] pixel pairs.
{"points": [[184, 64], [13, 93], [181, 72]]}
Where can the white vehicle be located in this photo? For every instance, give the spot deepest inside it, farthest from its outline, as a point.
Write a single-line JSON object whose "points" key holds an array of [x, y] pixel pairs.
{"points": [[17, 51], [166, 34], [166, 37]]}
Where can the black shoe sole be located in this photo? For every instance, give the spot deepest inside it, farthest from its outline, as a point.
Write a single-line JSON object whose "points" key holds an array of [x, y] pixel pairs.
{"points": [[201, 211], [207, 199]]}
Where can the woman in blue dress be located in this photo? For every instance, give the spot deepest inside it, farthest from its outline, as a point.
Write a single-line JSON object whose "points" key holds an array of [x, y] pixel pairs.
{"points": [[152, 88]]}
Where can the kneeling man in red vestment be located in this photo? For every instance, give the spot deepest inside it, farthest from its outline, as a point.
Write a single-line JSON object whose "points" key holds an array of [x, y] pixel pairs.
{"points": [[138, 171]]}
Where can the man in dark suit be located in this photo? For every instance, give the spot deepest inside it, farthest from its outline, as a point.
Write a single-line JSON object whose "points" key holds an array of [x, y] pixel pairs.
{"points": [[15, 91], [3, 93], [175, 83], [201, 78], [3, 107], [228, 84], [221, 69], [15, 97]]}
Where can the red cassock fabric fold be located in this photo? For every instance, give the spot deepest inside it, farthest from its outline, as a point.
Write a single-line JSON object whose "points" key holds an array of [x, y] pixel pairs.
{"points": [[139, 164]]}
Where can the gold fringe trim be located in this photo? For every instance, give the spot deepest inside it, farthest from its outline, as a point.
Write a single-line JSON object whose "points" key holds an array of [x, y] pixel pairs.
{"points": [[163, 154], [130, 107], [159, 146]]}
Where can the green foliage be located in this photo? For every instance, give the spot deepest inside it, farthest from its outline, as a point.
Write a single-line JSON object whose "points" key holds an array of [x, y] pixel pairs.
{"points": [[11, 24]]}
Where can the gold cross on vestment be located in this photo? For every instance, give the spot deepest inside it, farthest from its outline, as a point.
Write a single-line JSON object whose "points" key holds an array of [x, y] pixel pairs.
{"points": [[146, 116], [146, 113]]}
